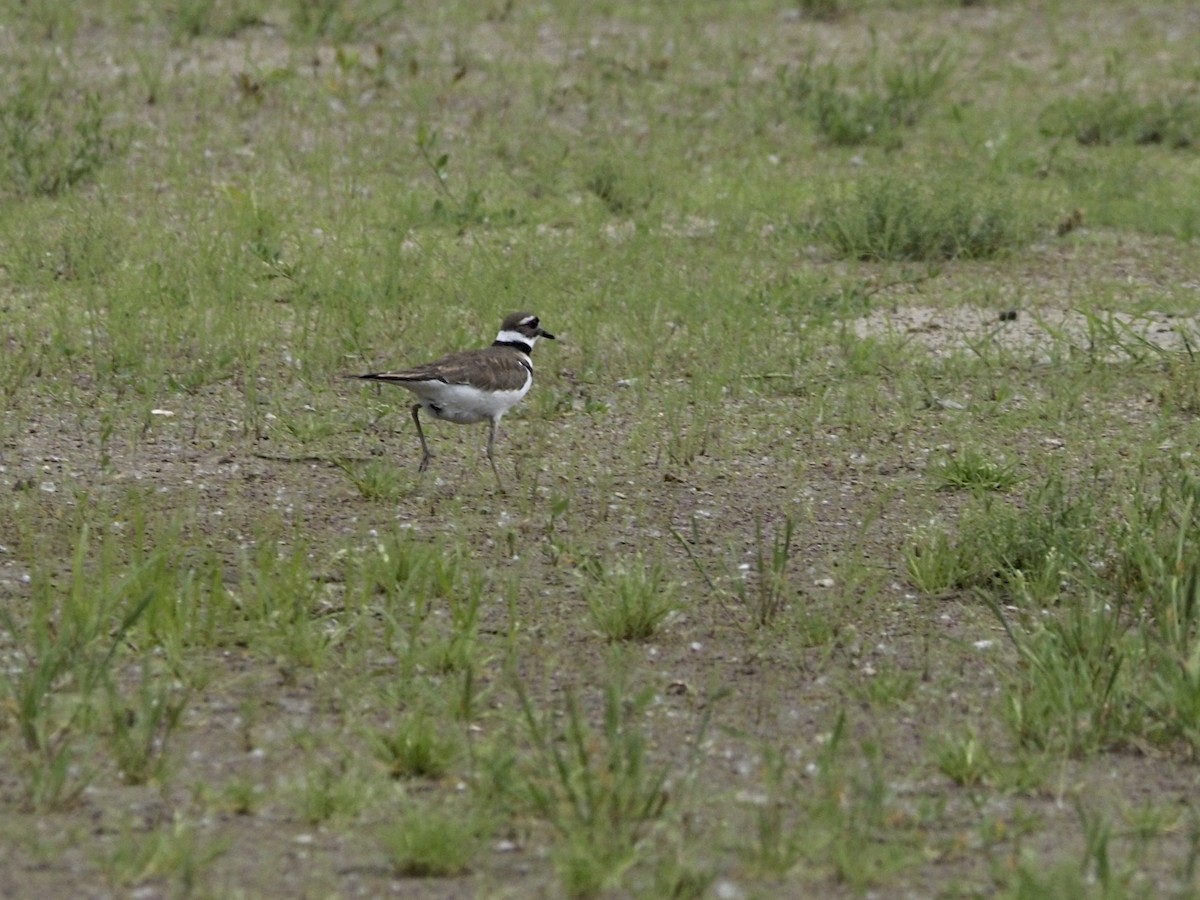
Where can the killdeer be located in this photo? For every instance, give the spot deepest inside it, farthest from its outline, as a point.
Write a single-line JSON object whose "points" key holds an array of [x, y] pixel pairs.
{"points": [[473, 385]]}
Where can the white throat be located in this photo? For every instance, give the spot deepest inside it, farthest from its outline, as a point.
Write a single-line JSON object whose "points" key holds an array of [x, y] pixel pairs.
{"points": [[515, 337]]}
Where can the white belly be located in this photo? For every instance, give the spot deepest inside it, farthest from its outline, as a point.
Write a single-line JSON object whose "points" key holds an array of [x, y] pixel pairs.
{"points": [[465, 405]]}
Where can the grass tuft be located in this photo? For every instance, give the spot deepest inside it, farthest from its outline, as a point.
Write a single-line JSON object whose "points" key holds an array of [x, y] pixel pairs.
{"points": [[632, 601], [142, 730], [1117, 116], [918, 220], [964, 758], [178, 855], [415, 748], [597, 789], [623, 189], [54, 133], [1028, 551], [432, 841], [881, 98], [973, 470], [329, 792], [376, 480]]}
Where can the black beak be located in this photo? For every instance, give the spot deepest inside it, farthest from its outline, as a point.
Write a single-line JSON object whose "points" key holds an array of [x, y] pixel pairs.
{"points": [[545, 334]]}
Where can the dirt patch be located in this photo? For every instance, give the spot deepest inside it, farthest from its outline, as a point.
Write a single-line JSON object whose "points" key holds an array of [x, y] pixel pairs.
{"points": [[1039, 335]]}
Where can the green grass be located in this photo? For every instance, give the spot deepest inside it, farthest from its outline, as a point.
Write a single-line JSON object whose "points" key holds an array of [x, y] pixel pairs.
{"points": [[415, 749], [895, 219], [328, 792], [55, 133], [432, 843], [875, 101], [964, 758], [1117, 114], [630, 604], [598, 790], [177, 854], [840, 819], [972, 469], [850, 537]]}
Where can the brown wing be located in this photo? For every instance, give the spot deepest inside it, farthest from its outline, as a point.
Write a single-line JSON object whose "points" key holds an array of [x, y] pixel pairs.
{"points": [[492, 367]]}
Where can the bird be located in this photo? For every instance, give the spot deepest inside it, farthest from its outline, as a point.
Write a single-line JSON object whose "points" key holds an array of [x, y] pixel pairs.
{"points": [[473, 386]]}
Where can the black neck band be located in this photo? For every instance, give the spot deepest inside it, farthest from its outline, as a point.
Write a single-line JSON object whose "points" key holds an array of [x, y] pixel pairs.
{"points": [[516, 345]]}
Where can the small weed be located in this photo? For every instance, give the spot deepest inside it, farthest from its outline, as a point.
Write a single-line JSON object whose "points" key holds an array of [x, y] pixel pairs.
{"points": [[1148, 821], [18, 365], [688, 435], [770, 594], [377, 480], [690, 427], [934, 562], [55, 778], [870, 839], [314, 427], [192, 607], [278, 588], [765, 594], [973, 470], [191, 18], [415, 748], [555, 548], [777, 847], [430, 607], [597, 790], [259, 227], [187, 20], [1098, 864], [1031, 553], [450, 646], [586, 870], [884, 689], [632, 601], [175, 853], [50, 21], [327, 792], [433, 841], [963, 757], [1187, 870], [1035, 878], [141, 732], [243, 796]]}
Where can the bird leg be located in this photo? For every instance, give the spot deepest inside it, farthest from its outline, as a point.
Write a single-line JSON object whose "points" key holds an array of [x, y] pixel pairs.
{"points": [[426, 455], [490, 444]]}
